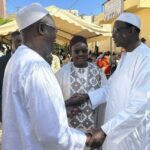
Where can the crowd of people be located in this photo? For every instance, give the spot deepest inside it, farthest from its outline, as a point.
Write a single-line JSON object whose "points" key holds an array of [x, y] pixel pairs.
{"points": [[106, 60], [77, 101]]}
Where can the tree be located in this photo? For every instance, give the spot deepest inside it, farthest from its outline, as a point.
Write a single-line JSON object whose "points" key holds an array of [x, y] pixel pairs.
{"points": [[4, 21]]}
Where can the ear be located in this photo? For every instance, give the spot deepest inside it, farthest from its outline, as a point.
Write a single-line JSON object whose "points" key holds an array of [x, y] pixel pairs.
{"points": [[41, 28]]}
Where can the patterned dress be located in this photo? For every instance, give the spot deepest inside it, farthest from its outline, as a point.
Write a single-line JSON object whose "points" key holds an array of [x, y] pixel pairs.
{"points": [[83, 80]]}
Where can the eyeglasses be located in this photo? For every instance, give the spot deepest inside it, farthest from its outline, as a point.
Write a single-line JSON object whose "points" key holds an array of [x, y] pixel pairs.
{"points": [[119, 29], [51, 27]]}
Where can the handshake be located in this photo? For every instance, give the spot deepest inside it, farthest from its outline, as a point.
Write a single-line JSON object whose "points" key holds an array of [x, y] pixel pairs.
{"points": [[95, 138], [76, 99]]}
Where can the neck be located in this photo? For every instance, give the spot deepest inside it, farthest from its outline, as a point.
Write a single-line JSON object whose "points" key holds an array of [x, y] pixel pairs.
{"points": [[81, 65], [39, 48], [132, 46]]}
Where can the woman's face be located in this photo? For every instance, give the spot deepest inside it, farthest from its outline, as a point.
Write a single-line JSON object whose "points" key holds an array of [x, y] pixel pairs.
{"points": [[79, 54]]}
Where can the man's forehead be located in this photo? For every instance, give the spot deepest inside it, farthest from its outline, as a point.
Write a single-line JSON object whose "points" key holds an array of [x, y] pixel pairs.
{"points": [[119, 23], [79, 44]]}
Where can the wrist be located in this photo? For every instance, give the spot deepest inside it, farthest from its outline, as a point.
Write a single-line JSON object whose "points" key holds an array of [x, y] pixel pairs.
{"points": [[86, 97], [103, 131], [89, 135], [103, 136]]}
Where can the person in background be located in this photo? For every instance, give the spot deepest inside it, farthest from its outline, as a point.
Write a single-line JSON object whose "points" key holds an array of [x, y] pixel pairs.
{"points": [[93, 58], [1, 50], [143, 40], [55, 63], [113, 62], [81, 76], [104, 64], [15, 43], [65, 58]]}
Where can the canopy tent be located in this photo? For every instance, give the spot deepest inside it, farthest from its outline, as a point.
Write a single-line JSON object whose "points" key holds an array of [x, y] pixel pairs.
{"points": [[67, 24]]}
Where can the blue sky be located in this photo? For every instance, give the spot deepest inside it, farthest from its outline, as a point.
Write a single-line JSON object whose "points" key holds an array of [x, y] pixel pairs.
{"points": [[86, 7]]}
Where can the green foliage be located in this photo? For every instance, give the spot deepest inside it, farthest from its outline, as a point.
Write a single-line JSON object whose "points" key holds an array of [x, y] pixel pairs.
{"points": [[57, 47], [4, 21]]}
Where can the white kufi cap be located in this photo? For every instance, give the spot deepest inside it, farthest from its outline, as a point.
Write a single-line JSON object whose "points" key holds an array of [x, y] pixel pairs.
{"points": [[130, 18], [30, 14]]}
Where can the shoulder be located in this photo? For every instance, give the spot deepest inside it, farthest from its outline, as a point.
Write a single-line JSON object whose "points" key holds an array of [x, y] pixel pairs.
{"points": [[144, 50], [26, 61], [95, 67], [96, 71], [27, 56], [65, 68], [142, 59]]}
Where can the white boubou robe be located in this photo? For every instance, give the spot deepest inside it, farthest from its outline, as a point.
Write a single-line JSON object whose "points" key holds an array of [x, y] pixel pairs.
{"points": [[34, 115], [127, 116]]}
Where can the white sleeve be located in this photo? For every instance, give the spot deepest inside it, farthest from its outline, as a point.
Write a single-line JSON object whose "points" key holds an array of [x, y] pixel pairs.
{"points": [[126, 121], [104, 80], [59, 75], [44, 111], [98, 96], [63, 77]]}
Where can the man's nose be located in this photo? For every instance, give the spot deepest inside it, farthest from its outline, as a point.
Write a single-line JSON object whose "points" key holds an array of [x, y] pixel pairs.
{"points": [[114, 33], [81, 52]]}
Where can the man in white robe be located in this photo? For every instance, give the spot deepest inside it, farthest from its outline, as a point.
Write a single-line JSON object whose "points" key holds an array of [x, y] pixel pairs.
{"points": [[34, 115], [126, 119], [127, 116]]}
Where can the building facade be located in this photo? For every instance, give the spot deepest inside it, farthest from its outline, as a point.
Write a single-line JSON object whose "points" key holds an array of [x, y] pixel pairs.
{"points": [[2, 8]]}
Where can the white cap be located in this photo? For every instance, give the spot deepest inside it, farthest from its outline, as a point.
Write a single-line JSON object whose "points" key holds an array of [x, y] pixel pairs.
{"points": [[130, 18], [30, 14]]}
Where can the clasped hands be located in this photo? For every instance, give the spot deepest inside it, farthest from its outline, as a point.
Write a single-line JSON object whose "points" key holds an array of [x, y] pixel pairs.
{"points": [[76, 99], [73, 102], [95, 138]]}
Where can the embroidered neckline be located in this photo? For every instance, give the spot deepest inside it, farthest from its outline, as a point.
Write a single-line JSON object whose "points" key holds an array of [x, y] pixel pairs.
{"points": [[82, 75]]}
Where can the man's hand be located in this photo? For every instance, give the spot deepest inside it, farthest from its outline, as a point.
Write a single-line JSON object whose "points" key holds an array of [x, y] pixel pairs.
{"points": [[73, 111], [97, 138], [77, 99]]}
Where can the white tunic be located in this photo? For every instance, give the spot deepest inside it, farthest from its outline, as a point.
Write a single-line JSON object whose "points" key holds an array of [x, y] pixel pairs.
{"points": [[127, 117], [34, 115]]}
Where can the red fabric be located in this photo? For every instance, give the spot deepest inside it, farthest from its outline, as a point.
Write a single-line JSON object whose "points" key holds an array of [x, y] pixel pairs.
{"points": [[103, 63], [108, 70]]}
